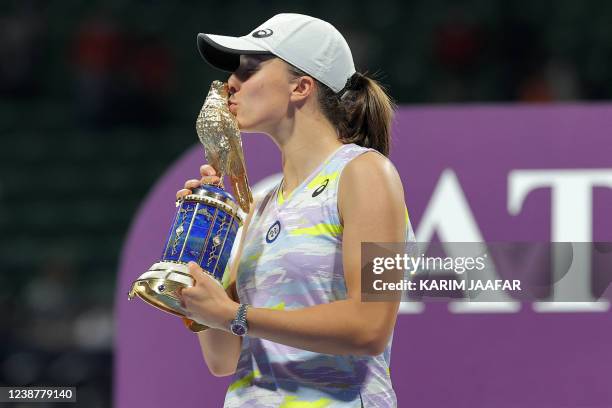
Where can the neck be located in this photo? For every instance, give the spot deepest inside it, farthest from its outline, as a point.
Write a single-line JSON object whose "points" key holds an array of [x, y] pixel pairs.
{"points": [[305, 142]]}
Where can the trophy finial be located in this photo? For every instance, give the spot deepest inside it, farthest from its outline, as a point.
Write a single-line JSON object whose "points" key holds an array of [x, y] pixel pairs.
{"points": [[218, 131]]}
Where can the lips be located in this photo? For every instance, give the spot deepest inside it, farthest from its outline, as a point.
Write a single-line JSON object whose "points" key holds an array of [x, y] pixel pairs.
{"points": [[232, 107]]}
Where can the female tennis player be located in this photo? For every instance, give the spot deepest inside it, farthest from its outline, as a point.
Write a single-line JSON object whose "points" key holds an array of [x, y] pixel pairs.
{"points": [[291, 326]]}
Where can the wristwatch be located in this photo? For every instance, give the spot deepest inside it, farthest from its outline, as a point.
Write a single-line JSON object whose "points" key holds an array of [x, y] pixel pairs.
{"points": [[239, 325]]}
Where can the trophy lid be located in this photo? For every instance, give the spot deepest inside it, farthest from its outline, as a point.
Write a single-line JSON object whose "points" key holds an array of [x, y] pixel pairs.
{"points": [[208, 190], [217, 196]]}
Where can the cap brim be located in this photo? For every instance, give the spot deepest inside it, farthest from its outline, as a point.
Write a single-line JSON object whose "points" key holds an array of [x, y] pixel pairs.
{"points": [[224, 52]]}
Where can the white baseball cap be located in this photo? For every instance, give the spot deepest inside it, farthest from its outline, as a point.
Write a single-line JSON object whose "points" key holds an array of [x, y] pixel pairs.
{"points": [[310, 44]]}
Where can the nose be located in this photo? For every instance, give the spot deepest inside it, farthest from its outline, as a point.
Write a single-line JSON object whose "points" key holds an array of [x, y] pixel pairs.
{"points": [[233, 84]]}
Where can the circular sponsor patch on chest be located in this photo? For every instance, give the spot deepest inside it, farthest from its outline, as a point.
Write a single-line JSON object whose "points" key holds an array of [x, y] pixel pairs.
{"points": [[273, 232]]}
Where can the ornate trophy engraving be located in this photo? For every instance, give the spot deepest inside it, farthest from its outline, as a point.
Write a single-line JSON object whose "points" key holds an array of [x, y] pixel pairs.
{"points": [[207, 220]]}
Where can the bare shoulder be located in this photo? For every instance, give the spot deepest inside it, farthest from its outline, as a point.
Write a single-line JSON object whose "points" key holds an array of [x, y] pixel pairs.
{"points": [[371, 165], [370, 180]]}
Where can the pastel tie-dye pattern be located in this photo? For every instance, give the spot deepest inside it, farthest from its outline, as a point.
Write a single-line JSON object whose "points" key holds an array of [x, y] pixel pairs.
{"points": [[301, 266]]}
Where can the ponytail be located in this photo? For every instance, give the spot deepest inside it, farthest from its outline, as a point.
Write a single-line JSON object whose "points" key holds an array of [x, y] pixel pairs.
{"points": [[362, 111], [368, 114]]}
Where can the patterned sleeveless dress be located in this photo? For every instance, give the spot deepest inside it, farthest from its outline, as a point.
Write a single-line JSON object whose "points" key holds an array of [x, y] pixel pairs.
{"points": [[292, 259]]}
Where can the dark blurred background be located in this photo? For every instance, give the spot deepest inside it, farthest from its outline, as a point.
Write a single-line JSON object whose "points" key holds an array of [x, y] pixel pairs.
{"points": [[98, 98]]}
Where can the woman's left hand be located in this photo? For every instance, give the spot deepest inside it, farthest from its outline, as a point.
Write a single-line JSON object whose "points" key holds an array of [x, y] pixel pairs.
{"points": [[206, 301]]}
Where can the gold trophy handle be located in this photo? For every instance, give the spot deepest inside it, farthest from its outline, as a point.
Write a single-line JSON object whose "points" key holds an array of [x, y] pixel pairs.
{"points": [[237, 171]]}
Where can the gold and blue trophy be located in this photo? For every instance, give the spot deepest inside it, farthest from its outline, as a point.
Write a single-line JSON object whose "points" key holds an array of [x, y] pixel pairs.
{"points": [[206, 221]]}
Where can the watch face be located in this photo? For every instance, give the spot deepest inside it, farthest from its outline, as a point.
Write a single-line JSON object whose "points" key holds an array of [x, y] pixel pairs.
{"points": [[238, 329]]}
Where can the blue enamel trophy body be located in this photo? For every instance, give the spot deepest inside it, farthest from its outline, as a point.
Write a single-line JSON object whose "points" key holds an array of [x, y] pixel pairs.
{"points": [[206, 221]]}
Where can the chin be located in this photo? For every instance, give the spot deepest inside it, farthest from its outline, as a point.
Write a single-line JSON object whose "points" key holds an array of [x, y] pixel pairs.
{"points": [[248, 128], [245, 128]]}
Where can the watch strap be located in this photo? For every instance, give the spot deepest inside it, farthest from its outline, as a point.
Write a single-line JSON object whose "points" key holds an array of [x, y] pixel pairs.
{"points": [[240, 319]]}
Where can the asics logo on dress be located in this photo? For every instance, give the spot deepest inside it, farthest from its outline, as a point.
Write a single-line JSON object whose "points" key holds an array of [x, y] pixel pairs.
{"points": [[263, 33], [320, 189]]}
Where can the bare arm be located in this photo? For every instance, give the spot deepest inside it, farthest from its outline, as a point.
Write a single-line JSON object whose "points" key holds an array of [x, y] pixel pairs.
{"points": [[371, 203]]}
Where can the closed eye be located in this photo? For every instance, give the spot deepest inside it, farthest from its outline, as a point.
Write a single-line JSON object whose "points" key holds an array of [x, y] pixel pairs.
{"points": [[246, 72], [249, 65]]}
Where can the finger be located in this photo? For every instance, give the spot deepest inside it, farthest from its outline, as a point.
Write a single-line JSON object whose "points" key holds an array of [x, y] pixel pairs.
{"points": [[179, 294], [195, 271], [188, 295], [210, 180], [193, 183], [182, 193], [207, 170]]}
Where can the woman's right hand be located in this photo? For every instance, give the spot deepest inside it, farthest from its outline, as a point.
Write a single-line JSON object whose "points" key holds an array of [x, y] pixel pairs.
{"points": [[209, 176]]}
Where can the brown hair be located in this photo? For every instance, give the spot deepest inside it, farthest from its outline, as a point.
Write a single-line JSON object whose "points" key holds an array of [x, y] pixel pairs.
{"points": [[362, 111]]}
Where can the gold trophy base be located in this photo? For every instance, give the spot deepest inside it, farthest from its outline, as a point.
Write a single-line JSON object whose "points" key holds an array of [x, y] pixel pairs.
{"points": [[159, 287]]}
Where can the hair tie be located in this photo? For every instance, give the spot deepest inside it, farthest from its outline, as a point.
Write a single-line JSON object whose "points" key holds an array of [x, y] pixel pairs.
{"points": [[353, 83]]}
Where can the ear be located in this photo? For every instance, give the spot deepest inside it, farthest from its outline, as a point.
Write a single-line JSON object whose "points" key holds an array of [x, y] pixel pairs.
{"points": [[302, 87]]}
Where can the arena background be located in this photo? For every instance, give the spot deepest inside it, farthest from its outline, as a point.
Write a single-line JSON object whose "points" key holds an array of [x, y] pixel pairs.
{"points": [[97, 108]]}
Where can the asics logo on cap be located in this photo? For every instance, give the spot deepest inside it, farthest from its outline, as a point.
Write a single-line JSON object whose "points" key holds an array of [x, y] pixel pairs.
{"points": [[263, 33]]}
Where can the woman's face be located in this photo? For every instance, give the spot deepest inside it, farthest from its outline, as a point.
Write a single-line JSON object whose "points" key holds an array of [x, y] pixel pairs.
{"points": [[259, 92]]}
